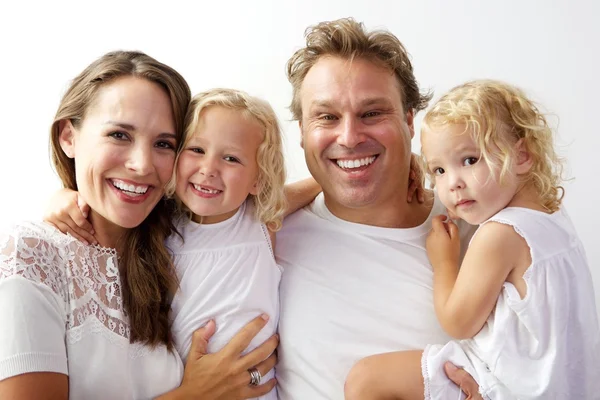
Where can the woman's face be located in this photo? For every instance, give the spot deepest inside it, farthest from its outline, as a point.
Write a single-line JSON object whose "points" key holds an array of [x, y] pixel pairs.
{"points": [[124, 150]]}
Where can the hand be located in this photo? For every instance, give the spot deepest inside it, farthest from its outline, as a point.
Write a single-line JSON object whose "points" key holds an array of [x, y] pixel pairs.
{"points": [[68, 212], [415, 180], [224, 375], [443, 242], [463, 380]]}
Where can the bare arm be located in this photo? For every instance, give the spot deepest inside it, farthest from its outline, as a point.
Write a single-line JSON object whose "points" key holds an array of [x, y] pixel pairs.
{"points": [[300, 194], [36, 385], [464, 300]]}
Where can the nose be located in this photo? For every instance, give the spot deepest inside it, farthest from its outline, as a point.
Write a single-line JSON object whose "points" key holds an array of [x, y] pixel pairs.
{"points": [[350, 134], [140, 160], [208, 166], [455, 180]]}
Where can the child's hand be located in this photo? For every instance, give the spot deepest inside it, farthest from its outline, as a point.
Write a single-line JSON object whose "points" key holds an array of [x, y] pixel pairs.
{"points": [[415, 180], [68, 212], [443, 242]]}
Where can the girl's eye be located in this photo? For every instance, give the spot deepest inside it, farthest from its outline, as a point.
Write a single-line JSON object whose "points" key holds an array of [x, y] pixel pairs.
{"points": [[197, 150], [470, 161], [118, 135], [438, 171], [231, 159]]}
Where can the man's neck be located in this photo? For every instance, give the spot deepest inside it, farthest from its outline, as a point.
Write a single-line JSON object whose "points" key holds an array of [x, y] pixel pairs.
{"points": [[394, 213]]}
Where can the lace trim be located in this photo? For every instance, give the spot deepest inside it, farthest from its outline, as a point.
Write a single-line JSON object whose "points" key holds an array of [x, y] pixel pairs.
{"points": [[85, 277]]}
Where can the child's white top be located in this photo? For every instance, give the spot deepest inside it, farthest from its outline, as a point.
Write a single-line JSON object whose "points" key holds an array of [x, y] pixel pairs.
{"points": [[227, 272], [546, 345], [61, 311]]}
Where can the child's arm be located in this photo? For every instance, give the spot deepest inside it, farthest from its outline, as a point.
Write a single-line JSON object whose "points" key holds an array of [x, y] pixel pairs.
{"points": [[68, 212], [464, 300], [300, 194]]}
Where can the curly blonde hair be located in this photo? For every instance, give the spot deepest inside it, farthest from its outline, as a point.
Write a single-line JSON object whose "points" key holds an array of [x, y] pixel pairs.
{"points": [[497, 115], [270, 201], [348, 39]]}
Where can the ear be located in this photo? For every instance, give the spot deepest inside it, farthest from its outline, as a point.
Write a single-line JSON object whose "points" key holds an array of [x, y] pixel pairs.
{"points": [[524, 161], [301, 134], [66, 138], [410, 121], [254, 188]]}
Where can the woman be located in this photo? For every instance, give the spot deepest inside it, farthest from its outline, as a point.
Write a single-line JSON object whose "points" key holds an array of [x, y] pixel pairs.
{"points": [[85, 321]]}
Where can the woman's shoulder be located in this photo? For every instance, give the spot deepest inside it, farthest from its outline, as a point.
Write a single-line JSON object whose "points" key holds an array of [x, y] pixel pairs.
{"points": [[35, 251]]}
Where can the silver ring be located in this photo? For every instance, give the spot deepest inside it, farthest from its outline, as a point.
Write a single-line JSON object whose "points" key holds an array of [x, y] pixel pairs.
{"points": [[255, 377]]}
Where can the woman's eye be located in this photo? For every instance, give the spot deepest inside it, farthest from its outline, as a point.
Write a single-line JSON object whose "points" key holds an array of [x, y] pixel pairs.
{"points": [[438, 171], [470, 161], [118, 135], [165, 145]]}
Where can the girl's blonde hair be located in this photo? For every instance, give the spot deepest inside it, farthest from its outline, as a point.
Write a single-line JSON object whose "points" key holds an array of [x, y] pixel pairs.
{"points": [[497, 115], [270, 201]]}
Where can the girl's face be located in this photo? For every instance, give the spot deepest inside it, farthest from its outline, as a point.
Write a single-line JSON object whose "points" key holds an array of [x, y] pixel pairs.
{"points": [[218, 168], [464, 182], [124, 151]]}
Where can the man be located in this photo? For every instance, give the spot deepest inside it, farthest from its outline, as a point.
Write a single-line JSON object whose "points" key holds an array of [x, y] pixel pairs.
{"points": [[356, 278]]}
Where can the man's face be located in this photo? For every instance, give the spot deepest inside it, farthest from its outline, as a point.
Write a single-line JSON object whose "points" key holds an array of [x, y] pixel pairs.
{"points": [[355, 133]]}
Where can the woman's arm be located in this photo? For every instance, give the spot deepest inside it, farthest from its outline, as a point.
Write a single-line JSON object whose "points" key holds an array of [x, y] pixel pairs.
{"points": [[224, 375], [465, 297], [300, 194], [36, 385]]}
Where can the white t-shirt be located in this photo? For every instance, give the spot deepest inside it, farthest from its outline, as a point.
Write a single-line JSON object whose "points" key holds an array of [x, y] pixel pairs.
{"points": [[544, 346], [349, 291], [61, 311], [227, 272]]}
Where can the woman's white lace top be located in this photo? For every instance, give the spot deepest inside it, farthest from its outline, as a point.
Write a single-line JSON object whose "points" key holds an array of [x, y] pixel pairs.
{"points": [[62, 311]]}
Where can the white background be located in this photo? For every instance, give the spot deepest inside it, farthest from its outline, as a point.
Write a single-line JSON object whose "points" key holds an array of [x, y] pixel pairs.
{"points": [[548, 47]]}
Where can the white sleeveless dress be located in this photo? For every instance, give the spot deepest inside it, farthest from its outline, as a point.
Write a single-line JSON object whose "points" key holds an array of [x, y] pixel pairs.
{"points": [[544, 346], [227, 272]]}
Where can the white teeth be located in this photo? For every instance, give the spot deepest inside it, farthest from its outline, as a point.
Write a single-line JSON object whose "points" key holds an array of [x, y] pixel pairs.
{"points": [[350, 164], [138, 190], [204, 190]]}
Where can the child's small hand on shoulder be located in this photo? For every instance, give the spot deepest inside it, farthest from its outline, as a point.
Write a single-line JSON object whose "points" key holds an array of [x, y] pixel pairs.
{"points": [[443, 242]]}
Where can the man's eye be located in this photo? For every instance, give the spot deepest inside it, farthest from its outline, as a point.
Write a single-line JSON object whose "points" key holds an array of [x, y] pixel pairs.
{"points": [[470, 161], [372, 114], [328, 117]]}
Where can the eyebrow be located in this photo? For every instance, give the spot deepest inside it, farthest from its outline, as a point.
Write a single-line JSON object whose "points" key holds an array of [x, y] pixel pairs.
{"points": [[130, 127], [363, 103]]}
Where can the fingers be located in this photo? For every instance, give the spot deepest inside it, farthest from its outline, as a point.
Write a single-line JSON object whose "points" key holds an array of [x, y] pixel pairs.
{"points": [[256, 391], [453, 230], [83, 206], [79, 234], [242, 339], [412, 187], [200, 340], [438, 223], [260, 353], [267, 365], [463, 380]]}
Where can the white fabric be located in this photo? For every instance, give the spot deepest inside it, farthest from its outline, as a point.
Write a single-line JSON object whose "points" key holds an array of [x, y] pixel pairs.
{"points": [[227, 272], [61, 311], [349, 291], [544, 346]]}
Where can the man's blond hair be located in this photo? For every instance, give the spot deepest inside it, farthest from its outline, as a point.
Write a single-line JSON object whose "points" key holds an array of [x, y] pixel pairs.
{"points": [[348, 39]]}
